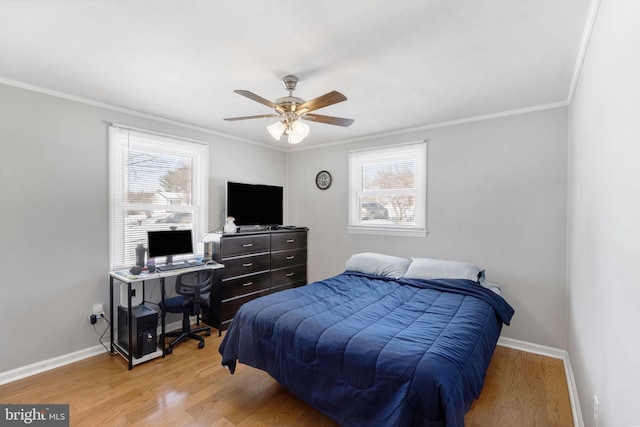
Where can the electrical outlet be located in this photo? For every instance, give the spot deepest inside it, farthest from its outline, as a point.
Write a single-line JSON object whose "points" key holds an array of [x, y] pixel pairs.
{"points": [[98, 313], [596, 404]]}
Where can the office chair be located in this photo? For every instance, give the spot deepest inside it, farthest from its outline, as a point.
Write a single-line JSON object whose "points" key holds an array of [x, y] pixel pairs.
{"points": [[193, 289]]}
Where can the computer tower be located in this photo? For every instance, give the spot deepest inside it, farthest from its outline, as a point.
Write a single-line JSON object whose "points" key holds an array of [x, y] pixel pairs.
{"points": [[144, 323]]}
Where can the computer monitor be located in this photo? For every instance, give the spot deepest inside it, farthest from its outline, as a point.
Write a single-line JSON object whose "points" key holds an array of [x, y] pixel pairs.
{"points": [[168, 243]]}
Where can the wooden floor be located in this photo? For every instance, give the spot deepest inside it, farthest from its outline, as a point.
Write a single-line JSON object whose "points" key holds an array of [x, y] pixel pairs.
{"points": [[191, 388]]}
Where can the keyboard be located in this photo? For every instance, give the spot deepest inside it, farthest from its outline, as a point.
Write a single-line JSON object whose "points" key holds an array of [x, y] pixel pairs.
{"points": [[179, 265]]}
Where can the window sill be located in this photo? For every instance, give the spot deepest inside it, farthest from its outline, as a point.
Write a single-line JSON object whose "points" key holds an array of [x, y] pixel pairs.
{"points": [[388, 231]]}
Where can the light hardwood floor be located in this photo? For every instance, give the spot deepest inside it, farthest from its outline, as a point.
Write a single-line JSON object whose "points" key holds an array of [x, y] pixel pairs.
{"points": [[191, 388]]}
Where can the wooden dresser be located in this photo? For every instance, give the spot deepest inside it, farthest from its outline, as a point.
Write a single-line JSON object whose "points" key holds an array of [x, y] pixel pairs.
{"points": [[256, 264]]}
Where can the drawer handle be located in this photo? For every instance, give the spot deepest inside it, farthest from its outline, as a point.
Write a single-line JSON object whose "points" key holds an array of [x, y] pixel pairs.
{"points": [[248, 264], [247, 245], [291, 240], [291, 257], [247, 284], [289, 274]]}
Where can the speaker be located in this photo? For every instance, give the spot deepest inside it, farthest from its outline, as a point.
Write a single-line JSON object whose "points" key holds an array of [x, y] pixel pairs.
{"points": [[144, 322]]}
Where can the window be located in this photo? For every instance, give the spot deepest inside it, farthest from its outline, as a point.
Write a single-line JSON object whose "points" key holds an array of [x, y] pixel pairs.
{"points": [[156, 183], [387, 190]]}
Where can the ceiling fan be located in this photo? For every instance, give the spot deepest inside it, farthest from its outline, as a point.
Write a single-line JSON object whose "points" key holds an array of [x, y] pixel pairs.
{"points": [[292, 110]]}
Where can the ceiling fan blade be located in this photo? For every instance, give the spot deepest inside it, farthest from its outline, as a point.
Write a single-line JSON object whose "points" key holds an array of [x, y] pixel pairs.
{"points": [[261, 116], [330, 120], [325, 100], [258, 98]]}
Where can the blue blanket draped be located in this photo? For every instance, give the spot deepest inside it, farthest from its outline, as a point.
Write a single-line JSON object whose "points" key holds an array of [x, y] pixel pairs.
{"points": [[367, 350]]}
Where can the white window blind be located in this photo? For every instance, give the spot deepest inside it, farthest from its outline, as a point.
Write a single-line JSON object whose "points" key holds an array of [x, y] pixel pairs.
{"points": [[387, 190], [156, 183]]}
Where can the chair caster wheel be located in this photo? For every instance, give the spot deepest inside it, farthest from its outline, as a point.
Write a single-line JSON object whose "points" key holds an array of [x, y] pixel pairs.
{"points": [[207, 333], [201, 344], [168, 350]]}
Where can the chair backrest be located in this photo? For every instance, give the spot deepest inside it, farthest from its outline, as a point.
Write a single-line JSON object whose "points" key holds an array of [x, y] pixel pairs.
{"points": [[195, 287]]}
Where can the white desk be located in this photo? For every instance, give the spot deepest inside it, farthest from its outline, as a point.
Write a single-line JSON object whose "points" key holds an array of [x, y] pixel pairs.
{"points": [[123, 276]]}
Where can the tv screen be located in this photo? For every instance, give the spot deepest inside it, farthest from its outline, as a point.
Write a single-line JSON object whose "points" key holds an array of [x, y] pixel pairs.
{"points": [[169, 243], [254, 204]]}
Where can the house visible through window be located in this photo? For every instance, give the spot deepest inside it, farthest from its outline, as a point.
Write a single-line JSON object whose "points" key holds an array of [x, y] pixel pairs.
{"points": [[156, 183], [387, 191]]}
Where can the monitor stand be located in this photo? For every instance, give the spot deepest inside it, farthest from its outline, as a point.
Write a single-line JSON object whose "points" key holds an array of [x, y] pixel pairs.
{"points": [[169, 260]]}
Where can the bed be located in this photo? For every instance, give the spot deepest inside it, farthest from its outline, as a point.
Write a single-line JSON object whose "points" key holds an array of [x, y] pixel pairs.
{"points": [[381, 344]]}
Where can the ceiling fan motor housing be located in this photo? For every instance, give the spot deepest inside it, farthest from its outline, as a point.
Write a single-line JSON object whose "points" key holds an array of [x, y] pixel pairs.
{"points": [[289, 103]]}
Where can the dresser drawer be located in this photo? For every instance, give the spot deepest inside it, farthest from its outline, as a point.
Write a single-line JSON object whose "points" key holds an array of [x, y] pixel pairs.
{"points": [[286, 275], [295, 239], [290, 257], [243, 245], [246, 265], [245, 285], [228, 308]]}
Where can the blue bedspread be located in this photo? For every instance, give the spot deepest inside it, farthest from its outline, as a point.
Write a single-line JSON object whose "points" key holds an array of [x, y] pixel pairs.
{"points": [[370, 351]]}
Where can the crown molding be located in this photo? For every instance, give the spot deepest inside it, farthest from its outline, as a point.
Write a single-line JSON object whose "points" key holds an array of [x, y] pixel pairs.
{"points": [[183, 125], [584, 44], [441, 124], [111, 107]]}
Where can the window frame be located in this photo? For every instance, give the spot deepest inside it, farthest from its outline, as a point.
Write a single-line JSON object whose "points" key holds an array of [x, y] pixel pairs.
{"points": [[417, 150], [125, 138]]}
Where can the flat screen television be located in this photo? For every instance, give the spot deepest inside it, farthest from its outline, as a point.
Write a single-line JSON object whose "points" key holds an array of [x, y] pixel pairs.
{"points": [[255, 204], [169, 242]]}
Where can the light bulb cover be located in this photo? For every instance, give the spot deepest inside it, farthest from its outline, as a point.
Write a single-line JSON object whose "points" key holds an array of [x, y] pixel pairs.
{"points": [[299, 131], [276, 130]]}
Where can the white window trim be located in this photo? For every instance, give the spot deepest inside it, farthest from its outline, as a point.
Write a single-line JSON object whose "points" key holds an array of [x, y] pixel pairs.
{"points": [[197, 150], [355, 183]]}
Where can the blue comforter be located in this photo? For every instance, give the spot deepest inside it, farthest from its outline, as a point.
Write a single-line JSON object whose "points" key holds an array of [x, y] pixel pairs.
{"points": [[371, 351]]}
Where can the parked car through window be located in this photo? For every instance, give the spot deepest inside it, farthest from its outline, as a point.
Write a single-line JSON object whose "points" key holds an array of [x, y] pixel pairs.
{"points": [[374, 211]]}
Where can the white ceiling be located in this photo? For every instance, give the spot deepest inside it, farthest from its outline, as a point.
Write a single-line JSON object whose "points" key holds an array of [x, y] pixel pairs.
{"points": [[402, 64]]}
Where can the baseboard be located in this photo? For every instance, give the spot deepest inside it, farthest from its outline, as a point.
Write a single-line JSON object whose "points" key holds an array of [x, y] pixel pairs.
{"points": [[542, 350], [568, 371], [46, 365], [66, 359]]}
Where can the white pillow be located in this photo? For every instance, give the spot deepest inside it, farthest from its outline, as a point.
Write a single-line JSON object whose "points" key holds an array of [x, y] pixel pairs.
{"points": [[378, 264], [426, 268], [492, 287]]}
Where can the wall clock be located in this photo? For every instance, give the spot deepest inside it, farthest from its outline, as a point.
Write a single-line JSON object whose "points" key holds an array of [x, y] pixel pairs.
{"points": [[323, 180]]}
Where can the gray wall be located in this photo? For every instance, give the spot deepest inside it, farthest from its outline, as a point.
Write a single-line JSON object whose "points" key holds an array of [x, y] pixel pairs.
{"points": [[604, 343], [54, 213], [496, 197]]}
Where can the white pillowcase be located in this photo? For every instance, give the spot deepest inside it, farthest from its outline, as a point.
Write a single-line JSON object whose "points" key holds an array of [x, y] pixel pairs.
{"points": [[378, 264], [492, 287], [427, 268]]}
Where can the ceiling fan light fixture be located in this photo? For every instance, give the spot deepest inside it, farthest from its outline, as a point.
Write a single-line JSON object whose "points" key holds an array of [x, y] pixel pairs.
{"points": [[298, 132], [276, 130]]}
